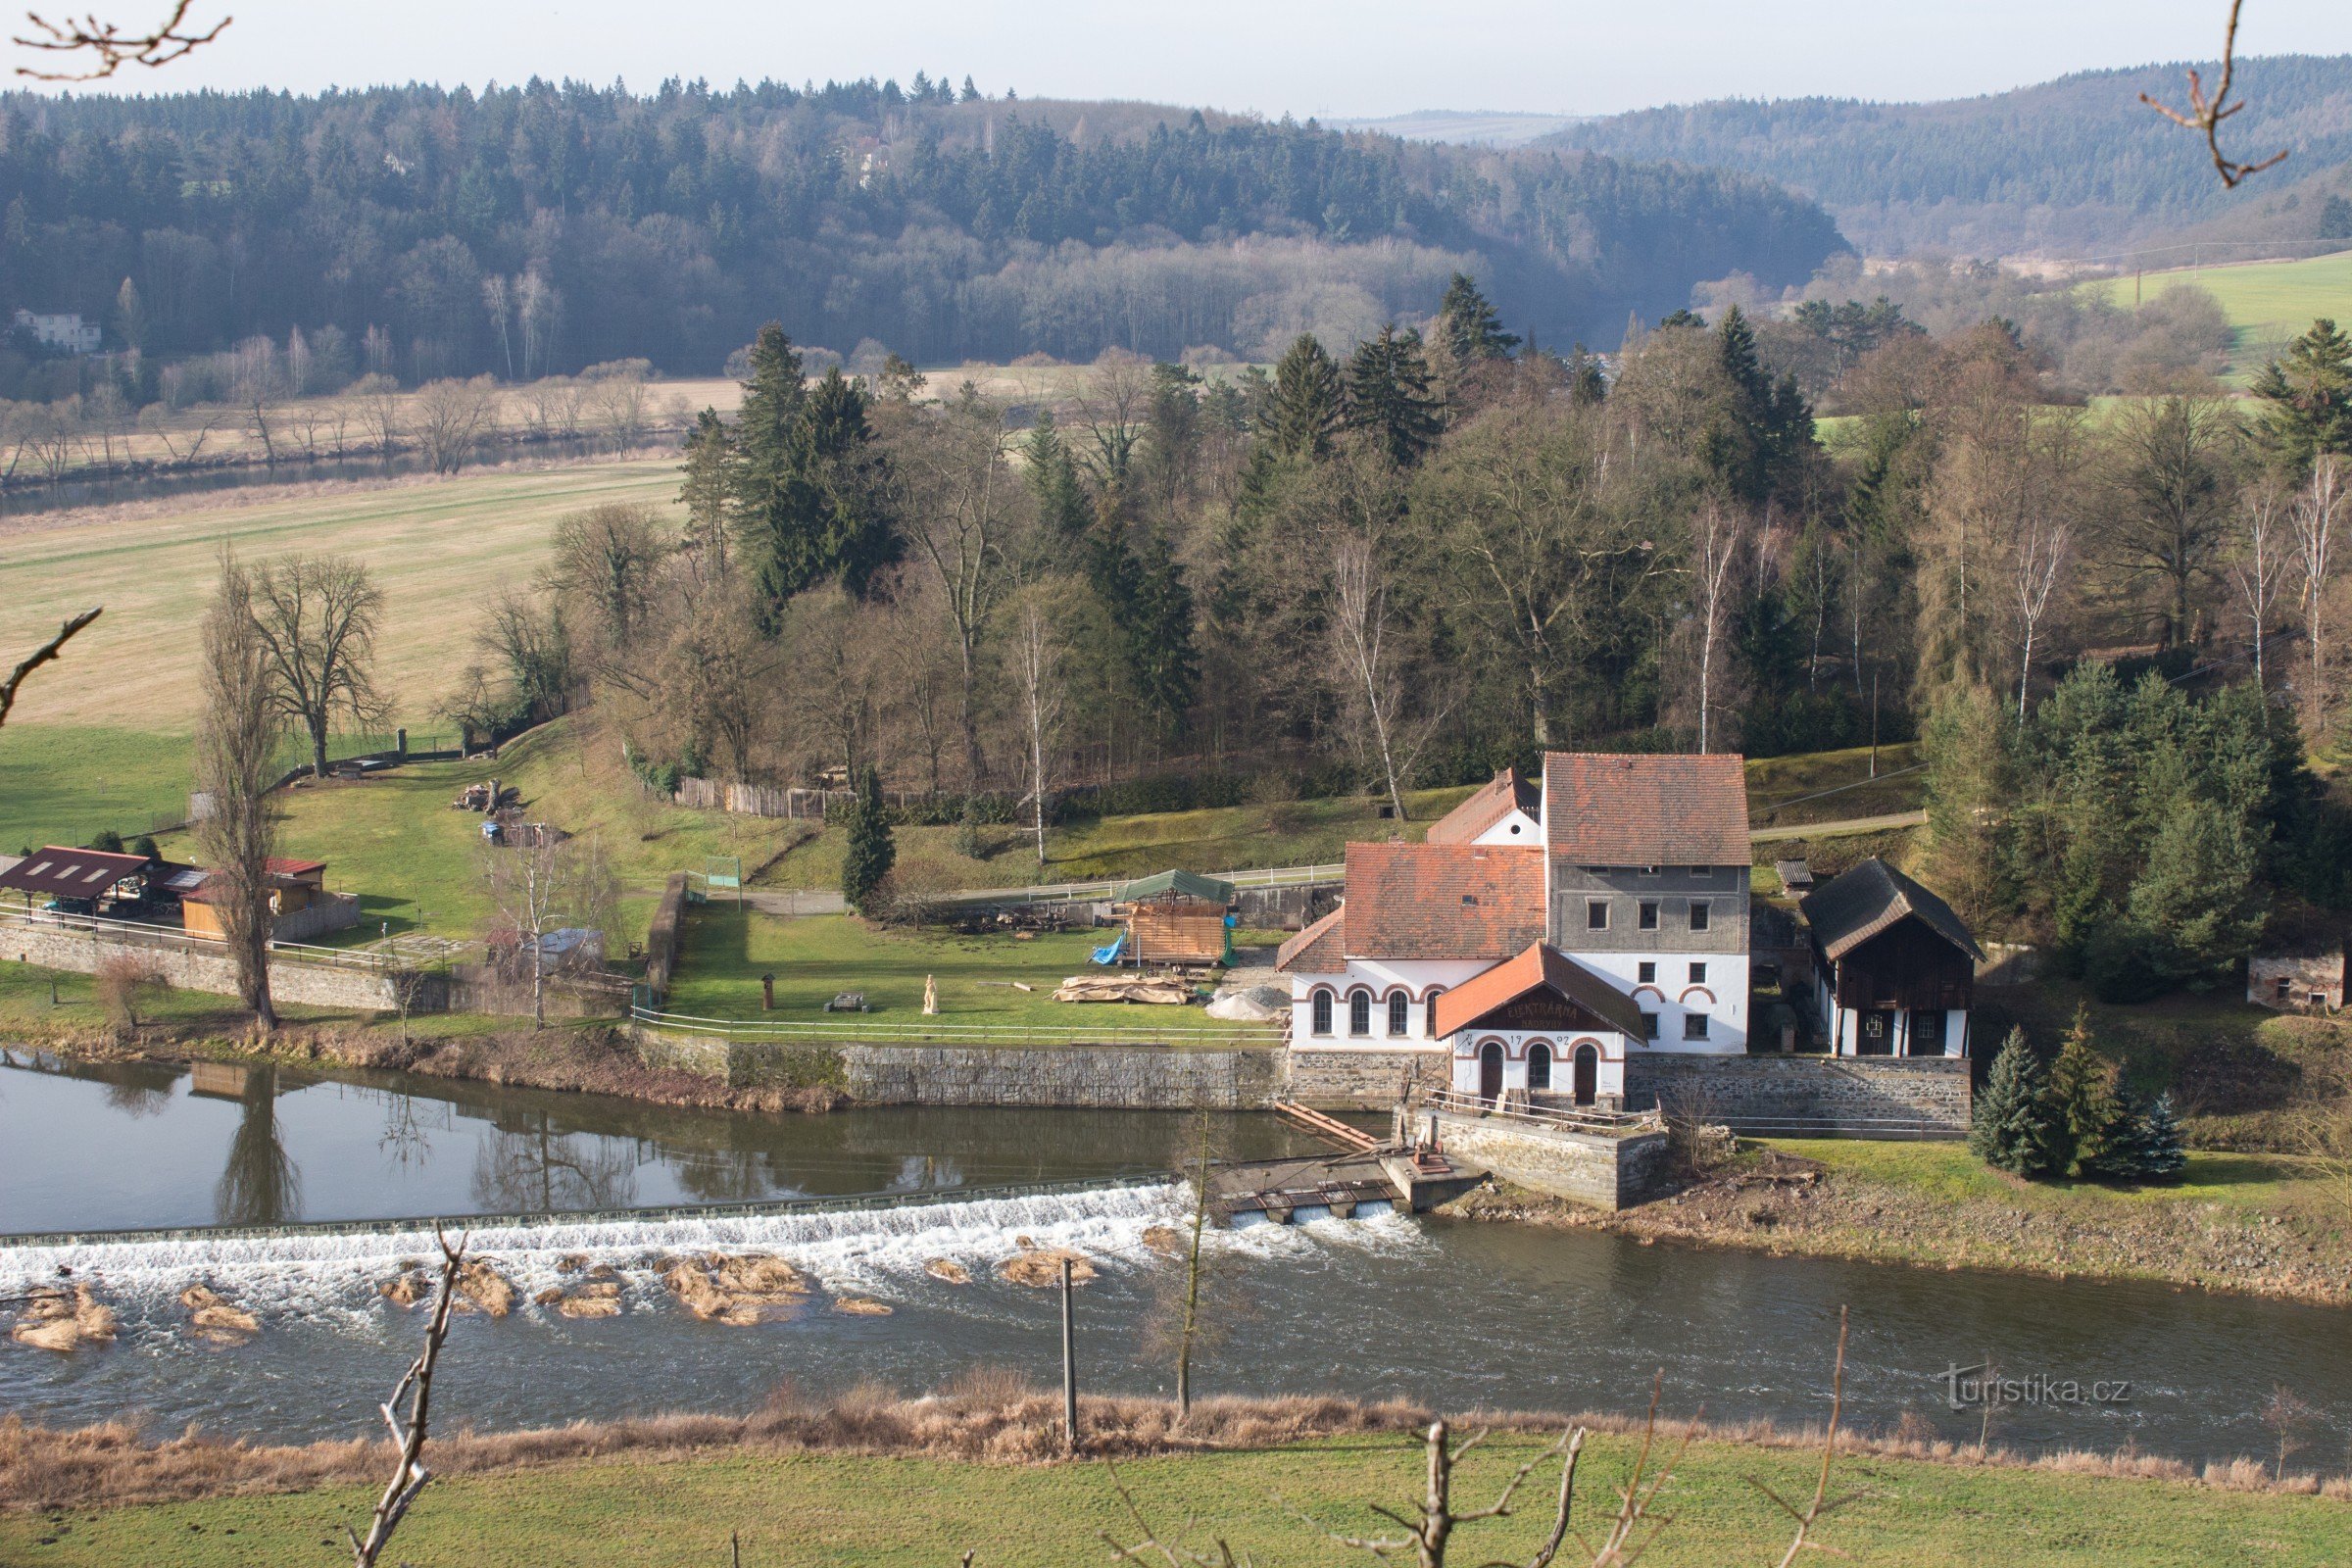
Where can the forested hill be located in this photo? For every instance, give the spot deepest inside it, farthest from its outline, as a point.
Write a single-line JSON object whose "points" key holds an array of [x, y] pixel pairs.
{"points": [[668, 225], [2077, 165]]}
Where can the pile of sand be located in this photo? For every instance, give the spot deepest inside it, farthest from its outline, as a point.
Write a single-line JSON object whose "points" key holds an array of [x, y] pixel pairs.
{"points": [[210, 1313], [948, 1271], [1041, 1266], [51, 1320], [738, 1290]]}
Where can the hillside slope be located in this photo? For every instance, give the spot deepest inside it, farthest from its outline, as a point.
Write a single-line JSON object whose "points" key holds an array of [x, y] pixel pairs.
{"points": [[2074, 165], [668, 225]]}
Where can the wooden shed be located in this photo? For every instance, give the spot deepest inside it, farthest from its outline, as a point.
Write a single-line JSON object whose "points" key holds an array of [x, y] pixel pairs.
{"points": [[1175, 917]]}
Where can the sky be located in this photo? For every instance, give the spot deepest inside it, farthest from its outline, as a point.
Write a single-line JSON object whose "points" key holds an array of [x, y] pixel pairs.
{"points": [[1353, 58]]}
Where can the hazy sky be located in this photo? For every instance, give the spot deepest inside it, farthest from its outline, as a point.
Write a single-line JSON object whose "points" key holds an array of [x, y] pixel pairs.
{"points": [[1328, 56]]}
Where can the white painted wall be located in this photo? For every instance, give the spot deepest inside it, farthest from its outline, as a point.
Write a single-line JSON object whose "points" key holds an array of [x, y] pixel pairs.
{"points": [[1727, 1012]]}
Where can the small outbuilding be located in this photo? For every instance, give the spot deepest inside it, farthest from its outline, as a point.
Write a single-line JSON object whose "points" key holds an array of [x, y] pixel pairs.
{"points": [[1175, 917], [2304, 978], [1895, 967], [81, 881]]}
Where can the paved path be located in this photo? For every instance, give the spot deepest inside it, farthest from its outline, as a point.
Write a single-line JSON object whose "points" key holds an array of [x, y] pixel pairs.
{"points": [[1833, 830]]}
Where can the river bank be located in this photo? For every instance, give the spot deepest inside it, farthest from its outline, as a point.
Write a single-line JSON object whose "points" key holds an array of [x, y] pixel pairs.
{"points": [[2247, 1224], [880, 1478]]}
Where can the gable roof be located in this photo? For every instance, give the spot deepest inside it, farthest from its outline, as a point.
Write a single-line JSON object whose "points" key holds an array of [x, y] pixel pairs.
{"points": [[1318, 950], [1178, 884], [1538, 966], [1608, 809], [69, 873], [1442, 901], [1506, 792], [1872, 896]]}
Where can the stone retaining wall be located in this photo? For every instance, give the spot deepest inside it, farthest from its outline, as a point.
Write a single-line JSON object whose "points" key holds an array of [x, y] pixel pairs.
{"points": [[1852, 1095], [1603, 1172], [188, 968], [1354, 1078]]}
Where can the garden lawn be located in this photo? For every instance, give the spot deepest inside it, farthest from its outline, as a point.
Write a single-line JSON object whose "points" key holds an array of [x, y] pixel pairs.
{"points": [[725, 948], [1277, 1506]]}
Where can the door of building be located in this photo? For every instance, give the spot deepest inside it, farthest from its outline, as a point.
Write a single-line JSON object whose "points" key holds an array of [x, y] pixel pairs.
{"points": [[1926, 1033], [1489, 1072], [1876, 1036], [1588, 1074]]}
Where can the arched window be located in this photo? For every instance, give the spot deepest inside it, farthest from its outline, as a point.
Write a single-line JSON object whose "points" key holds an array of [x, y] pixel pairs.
{"points": [[1428, 1014], [1322, 1012], [1359, 1013], [1539, 1067], [1399, 1012]]}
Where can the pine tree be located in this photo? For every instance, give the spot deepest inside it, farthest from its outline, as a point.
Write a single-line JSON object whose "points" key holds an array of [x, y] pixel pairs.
{"points": [[2091, 1120], [850, 530], [1053, 477], [705, 490], [1159, 629], [769, 497], [2310, 394], [1468, 325], [1303, 412], [1587, 386], [1389, 398], [870, 851], [2014, 1129]]}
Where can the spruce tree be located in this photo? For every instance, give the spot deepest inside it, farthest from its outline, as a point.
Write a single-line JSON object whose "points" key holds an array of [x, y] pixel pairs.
{"points": [[1389, 398], [2083, 1100], [1053, 477], [1161, 657], [707, 489], [1305, 409], [870, 851], [2310, 393], [849, 534], [769, 496], [2014, 1129], [1468, 325], [2156, 1152]]}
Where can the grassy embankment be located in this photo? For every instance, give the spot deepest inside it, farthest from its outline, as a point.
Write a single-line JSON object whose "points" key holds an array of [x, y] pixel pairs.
{"points": [[2265, 302], [1278, 1504]]}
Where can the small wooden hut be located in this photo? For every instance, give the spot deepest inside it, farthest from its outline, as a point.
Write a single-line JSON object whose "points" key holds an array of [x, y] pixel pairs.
{"points": [[1175, 918]]}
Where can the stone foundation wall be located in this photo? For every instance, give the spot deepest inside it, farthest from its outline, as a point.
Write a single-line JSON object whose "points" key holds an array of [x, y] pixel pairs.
{"points": [[188, 968], [1353, 1079], [1609, 1173], [1856, 1096]]}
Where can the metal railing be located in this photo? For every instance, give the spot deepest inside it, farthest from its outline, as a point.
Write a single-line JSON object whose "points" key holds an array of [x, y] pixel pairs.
{"points": [[1284, 876], [163, 935], [1590, 1120], [1893, 1128], [779, 1031]]}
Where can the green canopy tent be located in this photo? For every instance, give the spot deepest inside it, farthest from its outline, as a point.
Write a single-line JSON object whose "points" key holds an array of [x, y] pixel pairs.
{"points": [[1174, 917]]}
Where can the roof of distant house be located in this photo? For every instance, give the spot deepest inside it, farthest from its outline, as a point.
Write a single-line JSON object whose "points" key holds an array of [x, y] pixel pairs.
{"points": [[1506, 792], [190, 882], [1538, 966], [67, 874], [1442, 901], [1872, 896], [1612, 809]]}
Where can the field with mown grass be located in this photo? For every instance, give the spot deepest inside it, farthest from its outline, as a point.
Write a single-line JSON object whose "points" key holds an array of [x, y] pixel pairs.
{"points": [[1278, 1505], [2265, 302]]}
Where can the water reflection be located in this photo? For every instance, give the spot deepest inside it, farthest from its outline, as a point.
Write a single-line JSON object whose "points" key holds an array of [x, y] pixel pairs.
{"points": [[537, 1169], [259, 1185]]}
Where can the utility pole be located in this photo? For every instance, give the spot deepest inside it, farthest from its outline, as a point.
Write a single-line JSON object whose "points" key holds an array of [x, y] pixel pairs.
{"points": [[1069, 1368]]}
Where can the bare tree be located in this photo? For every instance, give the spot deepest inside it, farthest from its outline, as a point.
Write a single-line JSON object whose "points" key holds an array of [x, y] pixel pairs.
{"points": [[236, 751], [2314, 519], [317, 617], [452, 418], [960, 505], [40, 655], [1361, 629], [256, 389], [2206, 113], [2045, 549], [498, 298], [1114, 406], [110, 48], [2258, 569], [409, 1474], [381, 411], [621, 401], [1720, 532], [1037, 675], [542, 886], [539, 313]]}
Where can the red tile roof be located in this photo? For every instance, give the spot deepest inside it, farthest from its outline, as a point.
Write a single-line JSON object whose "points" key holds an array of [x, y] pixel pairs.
{"points": [[1318, 950], [1602, 808], [1442, 901], [1506, 792], [1537, 967]]}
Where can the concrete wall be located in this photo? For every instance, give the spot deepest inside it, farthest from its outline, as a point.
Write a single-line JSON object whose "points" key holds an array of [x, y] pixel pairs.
{"points": [[1854, 1096], [1356, 1077], [191, 969], [1610, 1173]]}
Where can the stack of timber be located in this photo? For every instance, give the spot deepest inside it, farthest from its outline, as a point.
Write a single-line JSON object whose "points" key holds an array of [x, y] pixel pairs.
{"points": [[1174, 932], [1166, 990]]}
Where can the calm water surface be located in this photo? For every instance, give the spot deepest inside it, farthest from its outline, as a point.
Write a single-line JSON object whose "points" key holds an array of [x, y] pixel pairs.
{"points": [[1449, 1313]]}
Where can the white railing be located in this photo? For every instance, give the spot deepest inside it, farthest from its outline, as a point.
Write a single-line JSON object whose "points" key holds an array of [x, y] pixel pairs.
{"points": [[1285, 876], [163, 935], [1583, 1120], [781, 1030]]}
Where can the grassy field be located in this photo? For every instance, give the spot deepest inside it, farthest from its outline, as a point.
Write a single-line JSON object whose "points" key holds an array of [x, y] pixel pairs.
{"points": [[2266, 301], [1277, 1504], [438, 549]]}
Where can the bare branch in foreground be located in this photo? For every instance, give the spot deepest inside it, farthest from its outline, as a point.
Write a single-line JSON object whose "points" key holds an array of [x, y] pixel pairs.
{"points": [[41, 656], [1823, 1504], [408, 1433], [110, 47], [2205, 115]]}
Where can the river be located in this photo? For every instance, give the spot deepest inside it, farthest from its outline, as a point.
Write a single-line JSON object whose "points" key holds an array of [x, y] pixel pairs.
{"points": [[1450, 1313]]}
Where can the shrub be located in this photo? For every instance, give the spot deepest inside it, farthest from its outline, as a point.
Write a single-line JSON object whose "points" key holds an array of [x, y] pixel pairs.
{"points": [[108, 840], [126, 983]]}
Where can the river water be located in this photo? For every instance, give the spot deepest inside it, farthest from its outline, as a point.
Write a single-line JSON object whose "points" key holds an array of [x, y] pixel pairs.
{"points": [[1454, 1314]]}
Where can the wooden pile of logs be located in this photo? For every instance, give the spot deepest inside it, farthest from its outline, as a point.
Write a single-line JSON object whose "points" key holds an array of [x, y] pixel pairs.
{"points": [[1166, 990]]}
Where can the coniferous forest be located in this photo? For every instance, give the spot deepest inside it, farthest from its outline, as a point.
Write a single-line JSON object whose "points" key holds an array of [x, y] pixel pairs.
{"points": [[537, 229]]}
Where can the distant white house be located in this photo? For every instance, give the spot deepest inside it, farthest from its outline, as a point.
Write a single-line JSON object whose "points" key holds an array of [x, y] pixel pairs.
{"points": [[65, 330]]}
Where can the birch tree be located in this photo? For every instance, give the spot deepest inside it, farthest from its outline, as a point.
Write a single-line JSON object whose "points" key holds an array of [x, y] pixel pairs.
{"points": [[1037, 656], [1371, 663], [2259, 568], [2314, 519], [1719, 533], [2044, 550], [547, 885]]}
